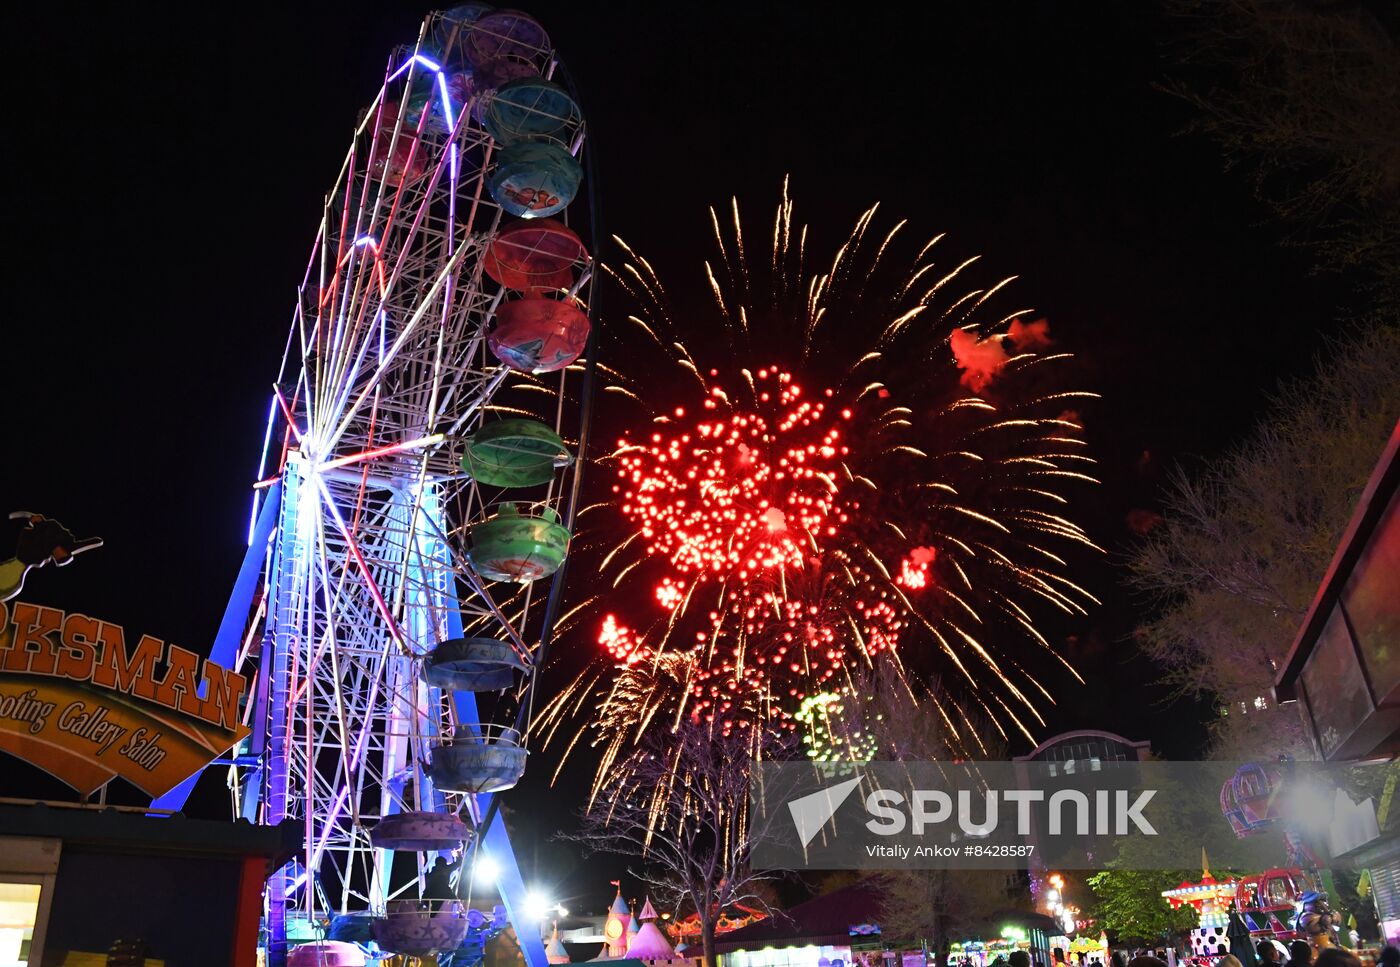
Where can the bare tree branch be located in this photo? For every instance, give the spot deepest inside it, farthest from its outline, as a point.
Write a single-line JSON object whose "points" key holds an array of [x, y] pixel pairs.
{"points": [[678, 805], [1302, 95], [1245, 542]]}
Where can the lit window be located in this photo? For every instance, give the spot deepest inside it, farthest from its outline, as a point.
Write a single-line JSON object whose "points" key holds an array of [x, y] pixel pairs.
{"points": [[19, 906]]}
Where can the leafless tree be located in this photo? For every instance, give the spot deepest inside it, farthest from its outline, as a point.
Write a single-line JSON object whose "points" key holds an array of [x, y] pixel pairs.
{"points": [[1246, 541], [1302, 95], [678, 805], [893, 719], [883, 714], [934, 907]]}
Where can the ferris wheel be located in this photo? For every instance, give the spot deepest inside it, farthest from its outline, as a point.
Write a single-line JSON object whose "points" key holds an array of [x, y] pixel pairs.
{"points": [[416, 496]]}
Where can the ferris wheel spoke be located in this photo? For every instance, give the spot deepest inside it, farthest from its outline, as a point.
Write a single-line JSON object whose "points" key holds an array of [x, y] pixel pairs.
{"points": [[410, 326], [342, 724]]}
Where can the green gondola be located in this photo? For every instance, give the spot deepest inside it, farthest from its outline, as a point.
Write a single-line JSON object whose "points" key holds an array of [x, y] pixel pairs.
{"points": [[514, 453], [518, 547]]}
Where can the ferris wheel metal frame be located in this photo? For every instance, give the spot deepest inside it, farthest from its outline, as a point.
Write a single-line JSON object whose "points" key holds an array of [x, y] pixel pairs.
{"points": [[357, 565]]}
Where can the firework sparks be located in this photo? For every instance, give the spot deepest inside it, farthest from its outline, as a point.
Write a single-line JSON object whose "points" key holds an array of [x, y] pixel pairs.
{"points": [[742, 496], [792, 515], [914, 569], [827, 734]]}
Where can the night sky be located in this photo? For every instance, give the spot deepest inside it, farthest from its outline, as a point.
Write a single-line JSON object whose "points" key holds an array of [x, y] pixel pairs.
{"points": [[167, 173]]}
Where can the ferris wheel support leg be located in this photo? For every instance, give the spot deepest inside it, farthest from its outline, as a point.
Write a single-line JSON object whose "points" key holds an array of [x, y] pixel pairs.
{"points": [[512, 889], [271, 713], [497, 845], [497, 839], [231, 627]]}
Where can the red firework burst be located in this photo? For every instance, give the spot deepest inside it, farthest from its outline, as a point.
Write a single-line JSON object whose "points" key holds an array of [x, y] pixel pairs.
{"points": [[732, 498], [789, 522], [746, 509]]}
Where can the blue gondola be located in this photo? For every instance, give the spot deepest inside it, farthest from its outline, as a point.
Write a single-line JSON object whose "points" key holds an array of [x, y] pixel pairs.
{"points": [[532, 109], [418, 931], [351, 928], [535, 179], [478, 763], [420, 830], [472, 665]]}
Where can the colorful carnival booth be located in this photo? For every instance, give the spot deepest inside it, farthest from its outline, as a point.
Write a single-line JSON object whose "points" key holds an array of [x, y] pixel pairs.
{"points": [[1018, 931], [1094, 949], [1083, 949], [95, 881], [1211, 899]]}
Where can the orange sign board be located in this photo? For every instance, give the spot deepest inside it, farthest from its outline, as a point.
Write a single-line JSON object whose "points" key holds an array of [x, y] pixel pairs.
{"points": [[77, 702]]}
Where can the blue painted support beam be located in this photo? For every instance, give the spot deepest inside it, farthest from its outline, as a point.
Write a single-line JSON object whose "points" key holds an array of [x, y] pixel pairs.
{"points": [[512, 889], [235, 620], [496, 841]]}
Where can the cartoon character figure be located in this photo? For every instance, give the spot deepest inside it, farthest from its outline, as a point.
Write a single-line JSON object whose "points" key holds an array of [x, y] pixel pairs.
{"points": [[43, 540], [1316, 920]]}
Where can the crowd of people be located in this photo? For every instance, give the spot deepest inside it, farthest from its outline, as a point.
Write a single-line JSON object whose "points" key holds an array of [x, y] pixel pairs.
{"points": [[1268, 953]]}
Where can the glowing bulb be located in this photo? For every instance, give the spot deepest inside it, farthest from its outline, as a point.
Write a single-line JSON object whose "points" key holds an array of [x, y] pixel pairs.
{"points": [[485, 871], [537, 906]]}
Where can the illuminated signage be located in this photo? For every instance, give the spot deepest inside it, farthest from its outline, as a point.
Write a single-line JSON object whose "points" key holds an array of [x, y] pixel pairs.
{"points": [[81, 703]]}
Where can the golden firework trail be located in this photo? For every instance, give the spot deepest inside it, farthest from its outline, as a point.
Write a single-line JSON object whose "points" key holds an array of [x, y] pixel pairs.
{"points": [[830, 468]]}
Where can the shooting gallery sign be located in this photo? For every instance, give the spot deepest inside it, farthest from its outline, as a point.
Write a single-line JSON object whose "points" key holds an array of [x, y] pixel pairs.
{"points": [[77, 702]]}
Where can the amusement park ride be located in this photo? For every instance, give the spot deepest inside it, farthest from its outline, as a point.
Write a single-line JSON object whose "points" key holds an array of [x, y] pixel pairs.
{"points": [[1280, 904], [412, 514], [1266, 902]]}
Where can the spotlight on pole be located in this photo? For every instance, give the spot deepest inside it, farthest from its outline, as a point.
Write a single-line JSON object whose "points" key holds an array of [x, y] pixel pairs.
{"points": [[537, 907], [485, 871]]}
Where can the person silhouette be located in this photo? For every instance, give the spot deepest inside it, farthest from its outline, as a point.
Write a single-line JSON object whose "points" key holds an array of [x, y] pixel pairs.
{"points": [[437, 885]]}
